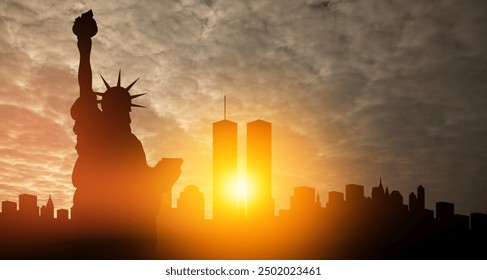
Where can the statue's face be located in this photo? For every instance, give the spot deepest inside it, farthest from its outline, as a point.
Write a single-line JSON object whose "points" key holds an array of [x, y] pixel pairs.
{"points": [[116, 105]]}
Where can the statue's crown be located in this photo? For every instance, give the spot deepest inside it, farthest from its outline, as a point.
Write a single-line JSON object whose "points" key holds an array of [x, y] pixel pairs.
{"points": [[118, 97]]}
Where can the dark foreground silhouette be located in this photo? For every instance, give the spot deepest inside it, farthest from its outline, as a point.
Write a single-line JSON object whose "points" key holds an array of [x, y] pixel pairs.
{"points": [[380, 226], [376, 227]]}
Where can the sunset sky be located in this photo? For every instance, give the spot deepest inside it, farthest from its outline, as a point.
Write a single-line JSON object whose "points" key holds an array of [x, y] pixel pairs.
{"points": [[355, 90]]}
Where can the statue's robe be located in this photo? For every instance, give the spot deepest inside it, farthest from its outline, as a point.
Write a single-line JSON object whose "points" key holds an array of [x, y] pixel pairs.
{"points": [[117, 194]]}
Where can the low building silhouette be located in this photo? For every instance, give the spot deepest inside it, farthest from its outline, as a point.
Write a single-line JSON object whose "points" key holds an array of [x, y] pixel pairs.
{"points": [[304, 200], [62, 215], [28, 206], [478, 222], [354, 194], [191, 204], [335, 200], [9, 208], [445, 211]]}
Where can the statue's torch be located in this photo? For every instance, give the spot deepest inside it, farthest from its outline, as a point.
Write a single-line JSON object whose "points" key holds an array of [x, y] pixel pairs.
{"points": [[85, 26]]}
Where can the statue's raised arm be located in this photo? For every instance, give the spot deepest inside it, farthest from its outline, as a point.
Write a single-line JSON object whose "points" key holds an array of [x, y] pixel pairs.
{"points": [[84, 28]]}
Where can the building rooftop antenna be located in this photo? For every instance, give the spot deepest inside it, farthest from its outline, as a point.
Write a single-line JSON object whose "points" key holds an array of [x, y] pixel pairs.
{"points": [[224, 107]]}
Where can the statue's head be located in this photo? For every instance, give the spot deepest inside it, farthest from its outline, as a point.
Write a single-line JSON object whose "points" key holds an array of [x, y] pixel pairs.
{"points": [[116, 101]]}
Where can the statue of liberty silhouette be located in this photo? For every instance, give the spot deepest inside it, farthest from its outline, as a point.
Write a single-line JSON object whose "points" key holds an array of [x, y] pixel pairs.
{"points": [[117, 194]]}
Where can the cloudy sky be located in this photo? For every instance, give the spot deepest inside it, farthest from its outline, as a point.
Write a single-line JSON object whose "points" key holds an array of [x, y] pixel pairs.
{"points": [[355, 90]]}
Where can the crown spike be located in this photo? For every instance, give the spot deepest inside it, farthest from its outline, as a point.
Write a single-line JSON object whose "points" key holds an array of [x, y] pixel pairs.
{"points": [[139, 106], [137, 95], [105, 82], [119, 74], [133, 83]]}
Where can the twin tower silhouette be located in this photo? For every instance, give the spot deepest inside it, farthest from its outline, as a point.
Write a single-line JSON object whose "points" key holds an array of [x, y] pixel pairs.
{"points": [[253, 200]]}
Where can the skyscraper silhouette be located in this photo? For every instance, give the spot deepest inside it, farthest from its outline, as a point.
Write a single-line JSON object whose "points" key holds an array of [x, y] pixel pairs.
{"points": [[378, 193], [47, 211], [225, 197], [416, 202], [260, 204], [421, 198]]}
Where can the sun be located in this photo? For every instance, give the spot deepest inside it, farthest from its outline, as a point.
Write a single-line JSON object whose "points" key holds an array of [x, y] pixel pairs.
{"points": [[241, 188]]}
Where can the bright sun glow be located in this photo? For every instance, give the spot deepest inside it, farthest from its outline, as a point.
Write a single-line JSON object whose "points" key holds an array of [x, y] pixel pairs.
{"points": [[242, 188]]}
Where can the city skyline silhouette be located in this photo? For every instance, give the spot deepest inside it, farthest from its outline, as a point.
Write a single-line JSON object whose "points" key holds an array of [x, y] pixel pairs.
{"points": [[112, 165], [349, 225]]}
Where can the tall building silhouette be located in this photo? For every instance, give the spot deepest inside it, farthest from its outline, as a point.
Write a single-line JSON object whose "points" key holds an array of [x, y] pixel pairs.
{"points": [[416, 202], [260, 204], [378, 193], [421, 197], [225, 197], [413, 202]]}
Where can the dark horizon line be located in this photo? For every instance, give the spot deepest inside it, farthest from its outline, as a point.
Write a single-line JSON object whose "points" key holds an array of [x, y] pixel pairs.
{"points": [[317, 196]]}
